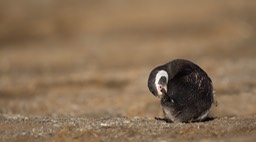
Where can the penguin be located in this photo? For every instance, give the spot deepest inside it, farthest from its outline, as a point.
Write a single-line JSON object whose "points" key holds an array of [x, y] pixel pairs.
{"points": [[185, 91]]}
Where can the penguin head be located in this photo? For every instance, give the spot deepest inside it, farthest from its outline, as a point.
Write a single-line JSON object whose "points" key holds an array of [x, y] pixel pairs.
{"points": [[157, 82]]}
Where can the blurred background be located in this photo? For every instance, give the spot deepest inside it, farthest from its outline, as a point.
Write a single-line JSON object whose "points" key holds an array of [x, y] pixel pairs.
{"points": [[92, 58]]}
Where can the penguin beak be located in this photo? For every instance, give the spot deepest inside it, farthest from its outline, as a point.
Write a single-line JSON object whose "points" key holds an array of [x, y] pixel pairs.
{"points": [[161, 90]]}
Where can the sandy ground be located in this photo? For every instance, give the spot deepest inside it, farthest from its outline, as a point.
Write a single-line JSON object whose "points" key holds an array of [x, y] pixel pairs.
{"points": [[84, 77]]}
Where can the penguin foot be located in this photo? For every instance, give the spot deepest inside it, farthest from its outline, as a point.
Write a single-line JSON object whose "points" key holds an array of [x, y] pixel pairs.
{"points": [[208, 118], [164, 119]]}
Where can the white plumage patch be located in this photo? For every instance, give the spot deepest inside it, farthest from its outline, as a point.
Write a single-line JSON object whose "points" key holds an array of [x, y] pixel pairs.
{"points": [[160, 74], [204, 115]]}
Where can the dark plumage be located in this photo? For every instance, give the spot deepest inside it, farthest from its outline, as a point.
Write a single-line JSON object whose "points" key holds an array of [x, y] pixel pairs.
{"points": [[185, 90]]}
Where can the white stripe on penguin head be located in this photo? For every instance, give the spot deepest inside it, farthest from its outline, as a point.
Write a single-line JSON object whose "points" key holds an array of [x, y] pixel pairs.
{"points": [[161, 73]]}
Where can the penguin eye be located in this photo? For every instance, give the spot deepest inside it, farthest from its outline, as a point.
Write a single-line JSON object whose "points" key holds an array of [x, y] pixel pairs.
{"points": [[162, 80]]}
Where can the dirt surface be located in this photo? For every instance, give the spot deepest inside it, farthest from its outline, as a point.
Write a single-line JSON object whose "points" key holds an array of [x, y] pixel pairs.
{"points": [[78, 71]]}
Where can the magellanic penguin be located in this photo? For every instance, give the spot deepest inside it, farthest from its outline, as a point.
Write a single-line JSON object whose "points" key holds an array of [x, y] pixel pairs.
{"points": [[185, 90]]}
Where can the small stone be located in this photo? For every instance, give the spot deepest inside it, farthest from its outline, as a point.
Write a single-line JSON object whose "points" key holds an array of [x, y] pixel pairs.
{"points": [[105, 124]]}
